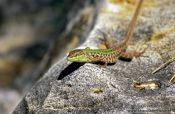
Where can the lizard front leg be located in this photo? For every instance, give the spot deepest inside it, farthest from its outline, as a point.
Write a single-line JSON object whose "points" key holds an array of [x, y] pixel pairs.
{"points": [[108, 42]]}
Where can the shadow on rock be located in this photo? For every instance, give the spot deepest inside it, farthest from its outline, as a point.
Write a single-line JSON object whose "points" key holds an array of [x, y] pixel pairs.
{"points": [[69, 69]]}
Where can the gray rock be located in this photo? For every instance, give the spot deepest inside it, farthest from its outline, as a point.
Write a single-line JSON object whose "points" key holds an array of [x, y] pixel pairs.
{"points": [[89, 88]]}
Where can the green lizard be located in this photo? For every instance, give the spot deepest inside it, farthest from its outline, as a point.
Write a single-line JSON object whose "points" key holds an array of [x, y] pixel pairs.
{"points": [[108, 55]]}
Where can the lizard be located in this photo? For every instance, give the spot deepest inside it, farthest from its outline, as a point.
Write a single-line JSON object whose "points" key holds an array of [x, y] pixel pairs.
{"points": [[106, 56]]}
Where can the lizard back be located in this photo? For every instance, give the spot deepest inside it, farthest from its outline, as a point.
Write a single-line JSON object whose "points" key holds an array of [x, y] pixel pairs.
{"points": [[103, 55]]}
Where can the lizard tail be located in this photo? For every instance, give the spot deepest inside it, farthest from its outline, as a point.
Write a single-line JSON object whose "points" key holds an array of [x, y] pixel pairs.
{"points": [[132, 24]]}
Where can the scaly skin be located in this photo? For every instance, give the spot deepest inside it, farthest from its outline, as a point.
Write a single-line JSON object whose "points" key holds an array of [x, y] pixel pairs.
{"points": [[108, 55], [94, 55]]}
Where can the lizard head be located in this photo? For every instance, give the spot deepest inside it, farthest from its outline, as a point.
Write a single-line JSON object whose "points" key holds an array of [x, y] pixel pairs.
{"points": [[78, 55]]}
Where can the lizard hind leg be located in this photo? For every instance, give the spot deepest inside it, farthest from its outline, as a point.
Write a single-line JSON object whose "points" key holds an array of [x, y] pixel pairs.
{"points": [[129, 55]]}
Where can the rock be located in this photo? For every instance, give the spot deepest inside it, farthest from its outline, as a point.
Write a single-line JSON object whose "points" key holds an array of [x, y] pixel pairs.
{"points": [[8, 100], [89, 88]]}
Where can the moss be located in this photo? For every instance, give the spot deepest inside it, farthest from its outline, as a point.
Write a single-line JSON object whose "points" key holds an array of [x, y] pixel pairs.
{"points": [[97, 90], [160, 35]]}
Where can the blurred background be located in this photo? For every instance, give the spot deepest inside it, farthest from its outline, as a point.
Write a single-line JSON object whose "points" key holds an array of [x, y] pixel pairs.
{"points": [[34, 34]]}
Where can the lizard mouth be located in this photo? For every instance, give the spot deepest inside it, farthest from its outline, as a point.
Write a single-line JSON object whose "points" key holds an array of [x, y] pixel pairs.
{"points": [[69, 59]]}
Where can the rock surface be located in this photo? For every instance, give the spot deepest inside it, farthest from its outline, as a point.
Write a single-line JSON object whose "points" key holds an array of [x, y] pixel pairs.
{"points": [[89, 88]]}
